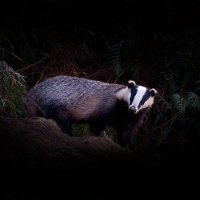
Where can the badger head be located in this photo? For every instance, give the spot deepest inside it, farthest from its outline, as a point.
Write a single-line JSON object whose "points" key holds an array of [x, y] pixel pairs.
{"points": [[139, 97]]}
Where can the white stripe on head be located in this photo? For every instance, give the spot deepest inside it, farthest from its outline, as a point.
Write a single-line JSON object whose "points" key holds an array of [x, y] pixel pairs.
{"points": [[138, 97]]}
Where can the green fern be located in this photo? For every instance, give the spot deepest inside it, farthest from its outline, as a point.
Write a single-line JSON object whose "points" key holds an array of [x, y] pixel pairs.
{"points": [[193, 101], [114, 57], [179, 103], [119, 51], [171, 79], [181, 67], [179, 108]]}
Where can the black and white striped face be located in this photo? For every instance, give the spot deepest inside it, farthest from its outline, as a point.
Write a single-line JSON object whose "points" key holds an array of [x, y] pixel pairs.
{"points": [[140, 97]]}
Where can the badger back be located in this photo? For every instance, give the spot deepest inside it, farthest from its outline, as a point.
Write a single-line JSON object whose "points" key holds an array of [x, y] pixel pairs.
{"points": [[81, 97]]}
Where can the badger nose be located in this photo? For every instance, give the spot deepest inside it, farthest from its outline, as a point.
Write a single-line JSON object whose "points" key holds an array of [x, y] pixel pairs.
{"points": [[133, 109]]}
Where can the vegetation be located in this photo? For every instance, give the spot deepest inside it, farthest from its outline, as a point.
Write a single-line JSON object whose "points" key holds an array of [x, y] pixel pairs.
{"points": [[12, 91]]}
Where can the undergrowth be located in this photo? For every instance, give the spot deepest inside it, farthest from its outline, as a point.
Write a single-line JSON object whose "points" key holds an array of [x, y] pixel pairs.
{"points": [[12, 91]]}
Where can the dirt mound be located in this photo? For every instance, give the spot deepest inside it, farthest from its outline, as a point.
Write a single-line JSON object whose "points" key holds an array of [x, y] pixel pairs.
{"points": [[38, 141]]}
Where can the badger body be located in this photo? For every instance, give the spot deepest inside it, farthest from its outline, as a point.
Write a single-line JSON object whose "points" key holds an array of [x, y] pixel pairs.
{"points": [[69, 100]]}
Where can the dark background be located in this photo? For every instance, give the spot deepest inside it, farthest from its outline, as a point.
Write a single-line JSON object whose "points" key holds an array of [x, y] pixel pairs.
{"points": [[145, 15]]}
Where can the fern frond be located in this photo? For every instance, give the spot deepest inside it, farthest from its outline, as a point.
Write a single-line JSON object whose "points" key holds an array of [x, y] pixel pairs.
{"points": [[193, 101], [114, 57], [170, 77], [179, 103], [181, 66]]}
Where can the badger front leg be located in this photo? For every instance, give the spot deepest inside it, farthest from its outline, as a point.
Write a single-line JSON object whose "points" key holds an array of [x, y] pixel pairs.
{"points": [[96, 128], [63, 120], [131, 127], [120, 136]]}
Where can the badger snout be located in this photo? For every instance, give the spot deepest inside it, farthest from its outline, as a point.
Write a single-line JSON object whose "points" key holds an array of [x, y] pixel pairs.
{"points": [[133, 109]]}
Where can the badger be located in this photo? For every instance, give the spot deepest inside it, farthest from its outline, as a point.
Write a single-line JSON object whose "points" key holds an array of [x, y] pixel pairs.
{"points": [[68, 100]]}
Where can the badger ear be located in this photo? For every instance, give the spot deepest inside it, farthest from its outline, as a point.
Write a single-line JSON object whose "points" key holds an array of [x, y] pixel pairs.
{"points": [[153, 92], [131, 84]]}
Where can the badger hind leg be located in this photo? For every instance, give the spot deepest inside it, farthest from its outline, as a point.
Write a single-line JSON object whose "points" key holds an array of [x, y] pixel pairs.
{"points": [[31, 109]]}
